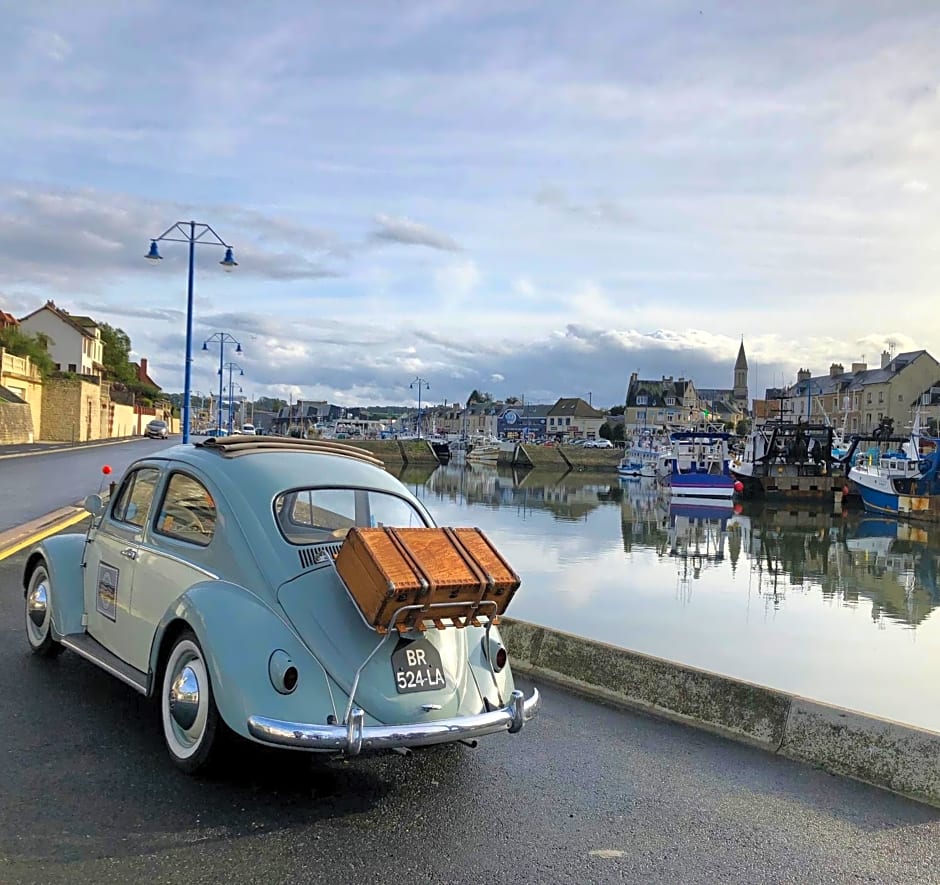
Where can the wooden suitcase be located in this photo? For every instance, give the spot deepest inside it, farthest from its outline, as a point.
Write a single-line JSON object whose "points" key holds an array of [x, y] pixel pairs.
{"points": [[447, 572]]}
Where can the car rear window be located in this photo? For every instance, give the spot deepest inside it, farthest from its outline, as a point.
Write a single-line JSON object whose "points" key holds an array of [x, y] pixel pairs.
{"points": [[309, 516]]}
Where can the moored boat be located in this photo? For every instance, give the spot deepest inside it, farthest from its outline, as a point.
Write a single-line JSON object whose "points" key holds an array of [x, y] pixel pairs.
{"points": [[700, 466]]}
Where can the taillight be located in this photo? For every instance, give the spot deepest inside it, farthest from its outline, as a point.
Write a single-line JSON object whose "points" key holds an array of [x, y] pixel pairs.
{"points": [[500, 661], [282, 672], [495, 652]]}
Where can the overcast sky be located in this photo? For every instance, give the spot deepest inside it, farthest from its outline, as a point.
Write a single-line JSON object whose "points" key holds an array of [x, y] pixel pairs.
{"points": [[532, 198]]}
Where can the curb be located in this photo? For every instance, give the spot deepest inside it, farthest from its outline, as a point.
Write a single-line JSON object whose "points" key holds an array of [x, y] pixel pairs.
{"points": [[896, 757], [12, 541]]}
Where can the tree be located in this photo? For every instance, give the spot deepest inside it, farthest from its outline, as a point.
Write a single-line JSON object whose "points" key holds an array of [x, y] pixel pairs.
{"points": [[605, 431], [616, 435], [513, 401], [20, 343], [477, 397], [743, 427], [116, 354], [616, 410]]}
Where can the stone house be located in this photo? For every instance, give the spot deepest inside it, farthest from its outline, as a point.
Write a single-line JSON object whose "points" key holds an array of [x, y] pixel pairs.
{"points": [[859, 399], [661, 405], [74, 341], [573, 418]]}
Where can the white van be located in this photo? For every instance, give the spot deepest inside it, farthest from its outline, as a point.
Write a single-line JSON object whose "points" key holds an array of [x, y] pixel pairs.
{"points": [[248, 428]]}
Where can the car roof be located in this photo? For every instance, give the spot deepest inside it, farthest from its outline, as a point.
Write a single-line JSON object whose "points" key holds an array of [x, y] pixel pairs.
{"points": [[264, 466]]}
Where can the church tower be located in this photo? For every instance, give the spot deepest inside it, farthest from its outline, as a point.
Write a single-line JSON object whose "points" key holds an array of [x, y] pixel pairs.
{"points": [[740, 378]]}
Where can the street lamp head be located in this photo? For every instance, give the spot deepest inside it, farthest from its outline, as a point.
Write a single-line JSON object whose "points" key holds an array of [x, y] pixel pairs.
{"points": [[229, 262], [238, 349], [154, 253], [241, 372], [205, 345]]}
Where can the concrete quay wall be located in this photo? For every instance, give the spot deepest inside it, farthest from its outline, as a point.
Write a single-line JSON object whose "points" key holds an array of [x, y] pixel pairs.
{"points": [[388, 451], [886, 754]]}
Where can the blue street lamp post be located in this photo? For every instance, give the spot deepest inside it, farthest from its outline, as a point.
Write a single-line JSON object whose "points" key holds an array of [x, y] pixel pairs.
{"points": [[421, 384], [191, 232], [231, 391], [221, 338]]}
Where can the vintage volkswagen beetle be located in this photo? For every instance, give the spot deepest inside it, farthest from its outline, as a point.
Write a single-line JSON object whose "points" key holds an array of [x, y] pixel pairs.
{"points": [[208, 582]]}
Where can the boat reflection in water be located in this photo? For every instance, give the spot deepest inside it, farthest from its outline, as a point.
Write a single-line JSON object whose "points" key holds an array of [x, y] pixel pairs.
{"points": [[834, 606]]}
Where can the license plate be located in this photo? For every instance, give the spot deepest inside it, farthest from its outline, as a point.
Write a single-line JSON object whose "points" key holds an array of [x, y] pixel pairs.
{"points": [[417, 666]]}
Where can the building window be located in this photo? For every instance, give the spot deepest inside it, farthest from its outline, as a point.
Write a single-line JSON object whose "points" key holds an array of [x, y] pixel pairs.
{"points": [[642, 400], [567, 422], [71, 367], [881, 396], [900, 397], [868, 401], [670, 400]]}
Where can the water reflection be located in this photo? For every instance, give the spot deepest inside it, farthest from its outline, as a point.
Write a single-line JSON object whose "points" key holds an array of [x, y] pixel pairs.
{"points": [[823, 604]]}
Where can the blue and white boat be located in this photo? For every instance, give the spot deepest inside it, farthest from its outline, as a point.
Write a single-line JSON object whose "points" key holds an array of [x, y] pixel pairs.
{"points": [[647, 458], [701, 465], [900, 482]]}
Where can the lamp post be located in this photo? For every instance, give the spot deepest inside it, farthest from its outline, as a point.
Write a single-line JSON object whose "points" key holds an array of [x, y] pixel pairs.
{"points": [[422, 384], [191, 232], [231, 387], [221, 338]]}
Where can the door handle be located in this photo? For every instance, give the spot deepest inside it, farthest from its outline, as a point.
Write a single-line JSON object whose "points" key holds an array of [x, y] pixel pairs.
{"points": [[129, 552]]}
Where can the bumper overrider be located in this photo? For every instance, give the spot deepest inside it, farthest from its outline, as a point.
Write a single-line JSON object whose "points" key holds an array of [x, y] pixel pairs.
{"points": [[355, 736]]}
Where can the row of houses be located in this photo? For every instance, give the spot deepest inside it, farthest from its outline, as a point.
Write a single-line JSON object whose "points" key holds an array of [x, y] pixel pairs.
{"points": [[78, 405], [858, 400]]}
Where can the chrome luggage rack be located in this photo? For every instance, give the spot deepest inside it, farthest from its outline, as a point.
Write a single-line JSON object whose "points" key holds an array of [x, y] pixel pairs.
{"points": [[391, 629]]}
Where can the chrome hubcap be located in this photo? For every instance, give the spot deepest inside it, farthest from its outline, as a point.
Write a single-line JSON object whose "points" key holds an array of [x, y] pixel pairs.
{"points": [[184, 698], [37, 605]]}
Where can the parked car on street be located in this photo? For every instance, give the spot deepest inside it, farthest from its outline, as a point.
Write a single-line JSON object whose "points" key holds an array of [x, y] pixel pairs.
{"points": [[208, 582], [157, 429], [600, 443]]}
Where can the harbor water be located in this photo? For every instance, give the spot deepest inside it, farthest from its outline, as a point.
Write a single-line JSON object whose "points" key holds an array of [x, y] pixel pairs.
{"points": [[837, 606]]}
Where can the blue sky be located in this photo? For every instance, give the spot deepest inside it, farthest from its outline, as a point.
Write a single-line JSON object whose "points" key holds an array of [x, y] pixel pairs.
{"points": [[530, 198]]}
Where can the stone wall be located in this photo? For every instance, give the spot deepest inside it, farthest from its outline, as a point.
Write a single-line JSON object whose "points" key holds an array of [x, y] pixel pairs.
{"points": [[386, 450], [581, 458], [20, 376], [16, 424], [548, 457], [71, 410]]}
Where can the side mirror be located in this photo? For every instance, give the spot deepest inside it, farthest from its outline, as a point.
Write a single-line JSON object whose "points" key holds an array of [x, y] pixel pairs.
{"points": [[94, 505]]}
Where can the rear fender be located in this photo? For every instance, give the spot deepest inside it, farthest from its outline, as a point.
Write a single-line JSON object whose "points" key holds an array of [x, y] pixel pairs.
{"points": [[63, 557], [238, 634]]}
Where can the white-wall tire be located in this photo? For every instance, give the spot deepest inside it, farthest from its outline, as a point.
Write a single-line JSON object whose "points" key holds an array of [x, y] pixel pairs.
{"points": [[188, 713], [38, 610]]}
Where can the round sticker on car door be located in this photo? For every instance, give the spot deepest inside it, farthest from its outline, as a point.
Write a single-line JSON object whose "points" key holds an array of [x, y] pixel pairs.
{"points": [[417, 666]]}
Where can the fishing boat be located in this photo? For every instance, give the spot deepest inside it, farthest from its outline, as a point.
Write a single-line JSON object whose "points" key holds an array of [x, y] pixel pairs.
{"points": [[646, 458], [700, 466], [483, 450], [901, 482]]}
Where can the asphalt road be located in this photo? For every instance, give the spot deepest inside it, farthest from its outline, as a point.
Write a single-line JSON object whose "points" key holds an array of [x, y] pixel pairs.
{"points": [[36, 484], [586, 793]]}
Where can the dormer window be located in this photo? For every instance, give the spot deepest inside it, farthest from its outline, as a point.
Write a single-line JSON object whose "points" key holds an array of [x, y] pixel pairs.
{"points": [[670, 400], [642, 400]]}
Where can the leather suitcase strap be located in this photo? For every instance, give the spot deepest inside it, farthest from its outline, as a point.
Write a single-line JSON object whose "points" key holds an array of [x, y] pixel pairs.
{"points": [[484, 577], [427, 580], [499, 556]]}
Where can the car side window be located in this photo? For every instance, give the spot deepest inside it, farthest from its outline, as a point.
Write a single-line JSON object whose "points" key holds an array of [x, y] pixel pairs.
{"points": [[187, 512], [134, 499]]}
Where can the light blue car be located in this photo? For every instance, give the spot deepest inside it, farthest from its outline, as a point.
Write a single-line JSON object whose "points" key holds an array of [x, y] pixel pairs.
{"points": [[208, 582]]}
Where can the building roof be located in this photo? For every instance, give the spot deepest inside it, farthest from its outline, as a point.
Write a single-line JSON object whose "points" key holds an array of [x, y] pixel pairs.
{"points": [[529, 410], [7, 319], [824, 385], [86, 327], [574, 407], [656, 392]]}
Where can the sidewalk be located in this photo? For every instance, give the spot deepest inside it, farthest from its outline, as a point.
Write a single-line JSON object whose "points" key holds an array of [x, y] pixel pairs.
{"points": [[41, 448]]}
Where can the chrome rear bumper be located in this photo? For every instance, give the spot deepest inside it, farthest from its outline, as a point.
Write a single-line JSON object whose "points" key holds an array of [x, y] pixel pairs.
{"points": [[354, 736]]}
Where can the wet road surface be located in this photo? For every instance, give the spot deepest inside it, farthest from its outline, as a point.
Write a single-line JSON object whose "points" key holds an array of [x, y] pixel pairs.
{"points": [[586, 793], [36, 484]]}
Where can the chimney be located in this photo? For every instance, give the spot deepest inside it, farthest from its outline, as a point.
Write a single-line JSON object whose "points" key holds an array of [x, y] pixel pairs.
{"points": [[143, 366], [859, 367], [836, 369], [803, 375], [885, 358]]}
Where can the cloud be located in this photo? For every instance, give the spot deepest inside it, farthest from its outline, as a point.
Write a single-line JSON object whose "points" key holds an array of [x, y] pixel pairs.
{"points": [[411, 233], [457, 280], [604, 211]]}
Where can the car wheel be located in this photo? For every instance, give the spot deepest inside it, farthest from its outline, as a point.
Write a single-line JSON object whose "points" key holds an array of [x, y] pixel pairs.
{"points": [[187, 709], [39, 614]]}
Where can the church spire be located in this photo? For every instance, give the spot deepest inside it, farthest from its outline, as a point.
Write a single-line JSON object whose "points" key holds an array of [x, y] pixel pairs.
{"points": [[741, 361]]}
